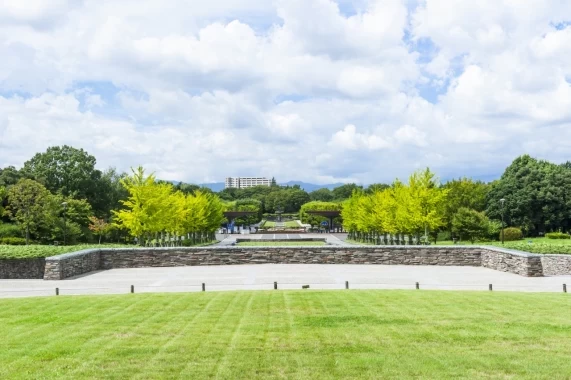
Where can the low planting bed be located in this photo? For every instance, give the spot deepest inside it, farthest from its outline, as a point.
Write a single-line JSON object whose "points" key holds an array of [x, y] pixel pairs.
{"points": [[280, 243]]}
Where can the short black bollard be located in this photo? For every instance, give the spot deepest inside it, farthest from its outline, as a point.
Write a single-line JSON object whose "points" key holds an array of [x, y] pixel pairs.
{"points": [[275, 285], [57, 291], [417, 285], [490, 287], [132, 288], [203, 287], [564, 288], [346, 284]]}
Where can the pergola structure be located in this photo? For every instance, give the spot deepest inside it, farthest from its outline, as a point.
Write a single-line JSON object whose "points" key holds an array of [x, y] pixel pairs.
{"points": [[331, 214]]}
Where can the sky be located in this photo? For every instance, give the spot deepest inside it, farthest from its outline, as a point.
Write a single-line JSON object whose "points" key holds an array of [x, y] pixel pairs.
{"points": [[320, 91]]}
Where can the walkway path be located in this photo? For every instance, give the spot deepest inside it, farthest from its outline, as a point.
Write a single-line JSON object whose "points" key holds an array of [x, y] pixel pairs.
{"points": [[331, 239], [288, 276]]}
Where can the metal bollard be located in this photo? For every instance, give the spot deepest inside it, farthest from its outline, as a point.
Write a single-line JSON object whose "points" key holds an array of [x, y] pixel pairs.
{"points": [[490, 287], [275, 285], [346, 284], [203, 287], [57, 291], [132, 288], [417, 285], [564, 288]]}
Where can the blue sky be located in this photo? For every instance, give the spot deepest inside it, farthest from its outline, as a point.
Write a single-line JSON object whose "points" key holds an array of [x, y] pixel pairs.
{"points": [[321, 91]]}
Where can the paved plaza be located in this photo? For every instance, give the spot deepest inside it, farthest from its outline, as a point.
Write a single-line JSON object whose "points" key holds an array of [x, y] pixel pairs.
{"points": [[331, 239], [288, 276]]}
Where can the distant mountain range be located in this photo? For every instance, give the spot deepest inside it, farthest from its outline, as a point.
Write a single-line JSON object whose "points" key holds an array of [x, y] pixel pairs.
{"points": [[309, 187]]}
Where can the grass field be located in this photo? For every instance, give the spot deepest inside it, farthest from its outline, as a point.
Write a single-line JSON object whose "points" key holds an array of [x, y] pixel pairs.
{"points": [[35, 251], [280, 243], [288, 334], [537, 245], [292, 224]]}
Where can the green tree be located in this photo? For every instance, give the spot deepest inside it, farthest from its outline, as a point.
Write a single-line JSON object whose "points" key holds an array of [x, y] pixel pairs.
{"points": [[376, 187], [463, 192], [323, 195], [537, 196], [2, 196], [9, 176], [29, 206], [470, 224], [345, 191], [70, 172]]}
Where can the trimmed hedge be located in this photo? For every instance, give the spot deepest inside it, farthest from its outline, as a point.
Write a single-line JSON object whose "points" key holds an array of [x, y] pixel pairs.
{"points": [[512, 234], [557, 235], [8, 230], [13, 241]]}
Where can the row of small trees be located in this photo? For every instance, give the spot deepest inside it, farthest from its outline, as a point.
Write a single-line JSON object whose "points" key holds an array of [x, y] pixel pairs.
{"points": [[157, 214], [402, 210]]}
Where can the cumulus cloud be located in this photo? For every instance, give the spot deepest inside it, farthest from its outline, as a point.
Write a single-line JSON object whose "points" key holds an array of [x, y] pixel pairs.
{"points": [[315, 90]]}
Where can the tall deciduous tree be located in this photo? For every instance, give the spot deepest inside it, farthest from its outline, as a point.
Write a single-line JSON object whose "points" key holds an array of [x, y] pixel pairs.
{"points": [[323, 195], [28, 205], [345, 191], [537, 196], [464, 192], [70, 172], [156, 211], [470, 224]]}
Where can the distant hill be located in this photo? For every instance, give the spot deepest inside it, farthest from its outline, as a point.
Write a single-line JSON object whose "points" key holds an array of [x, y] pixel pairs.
{"points": [[216, 186], [309, 187]]}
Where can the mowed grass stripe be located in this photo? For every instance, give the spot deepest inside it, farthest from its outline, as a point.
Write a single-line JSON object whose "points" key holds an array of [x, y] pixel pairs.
{"points": [[288, 334]]}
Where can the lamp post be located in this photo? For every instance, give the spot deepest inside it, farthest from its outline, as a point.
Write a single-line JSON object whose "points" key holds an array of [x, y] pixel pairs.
{"points": [[64, 204], [502, 202]]}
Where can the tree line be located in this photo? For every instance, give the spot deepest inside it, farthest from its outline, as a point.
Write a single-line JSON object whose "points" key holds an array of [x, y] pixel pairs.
{"points": [[65, 181]]}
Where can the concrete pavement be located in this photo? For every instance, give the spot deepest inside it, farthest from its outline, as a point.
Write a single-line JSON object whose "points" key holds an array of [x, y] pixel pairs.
{"points": [[288, 276]]}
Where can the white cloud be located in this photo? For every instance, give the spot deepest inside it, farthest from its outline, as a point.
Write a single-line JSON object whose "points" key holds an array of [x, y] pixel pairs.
{"points": [[200, 90]]}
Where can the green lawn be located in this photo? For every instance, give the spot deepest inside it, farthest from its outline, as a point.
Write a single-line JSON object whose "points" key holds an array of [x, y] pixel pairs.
{"points": [[269, 224], [537, 245], [288, 334], [35, 251], [292, 224], [280, 243]]}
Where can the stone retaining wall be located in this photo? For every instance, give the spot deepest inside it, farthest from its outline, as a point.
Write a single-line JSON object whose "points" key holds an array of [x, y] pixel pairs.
{"points": [[556, 265], [78, 263], [17, 269], [72, 264], [170, 257], [517, 262]]}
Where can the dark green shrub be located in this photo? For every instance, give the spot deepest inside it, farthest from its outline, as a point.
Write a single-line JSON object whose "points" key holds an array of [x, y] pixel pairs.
{"points": [[512, 234], [13, 241], [9, 230], [444, 236], [557, 235]]}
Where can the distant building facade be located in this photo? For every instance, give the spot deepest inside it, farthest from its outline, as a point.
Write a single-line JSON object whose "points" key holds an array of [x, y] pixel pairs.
{"points": [[244, 182]]}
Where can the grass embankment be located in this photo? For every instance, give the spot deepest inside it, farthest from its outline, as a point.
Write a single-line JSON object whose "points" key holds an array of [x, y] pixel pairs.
{"points": [[280, 243], [537, 245], [38, 251], [288, 334], [533, 245]]}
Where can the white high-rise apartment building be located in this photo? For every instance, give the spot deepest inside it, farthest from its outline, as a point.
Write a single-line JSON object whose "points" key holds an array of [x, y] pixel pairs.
{"points": [[244, 182]]}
